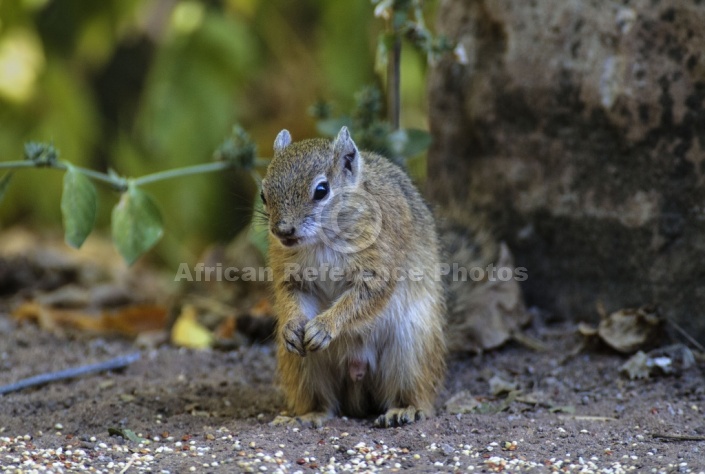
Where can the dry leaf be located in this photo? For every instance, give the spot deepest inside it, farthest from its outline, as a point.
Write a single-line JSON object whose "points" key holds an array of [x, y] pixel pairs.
{"points": [[462, 402], [498, 385], [586, 330], [628, 330], [136, 319], [637, 366], [188, 332], [641, 366], [129, 321]]}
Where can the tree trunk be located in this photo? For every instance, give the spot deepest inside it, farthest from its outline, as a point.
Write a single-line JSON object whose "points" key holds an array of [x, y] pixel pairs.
{"points": [[578, 128]]}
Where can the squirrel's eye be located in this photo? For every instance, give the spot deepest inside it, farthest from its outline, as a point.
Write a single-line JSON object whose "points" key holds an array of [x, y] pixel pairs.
{"points": [[261, 195], [321, 191]]}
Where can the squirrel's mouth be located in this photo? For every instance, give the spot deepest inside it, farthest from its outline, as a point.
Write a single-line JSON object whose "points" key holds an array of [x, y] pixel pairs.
{"points": [[289, 242]]}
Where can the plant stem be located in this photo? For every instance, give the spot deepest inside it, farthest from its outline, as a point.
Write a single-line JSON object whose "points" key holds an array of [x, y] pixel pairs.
{"points": [[120, 184], [178, 172], [116, 184], [18, 164], [110, 180]]}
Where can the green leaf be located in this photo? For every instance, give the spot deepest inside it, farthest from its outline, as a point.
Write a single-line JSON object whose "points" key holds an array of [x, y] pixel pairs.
{"points": [[79, 203], [136, 224], [127, 434], [4, 183]]}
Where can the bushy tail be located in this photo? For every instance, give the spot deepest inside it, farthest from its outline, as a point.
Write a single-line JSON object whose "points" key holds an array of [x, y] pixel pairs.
{"points": [[484, 299]]}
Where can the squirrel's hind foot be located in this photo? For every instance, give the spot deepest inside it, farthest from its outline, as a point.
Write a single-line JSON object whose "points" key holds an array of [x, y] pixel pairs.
{"points": [[314, 419], [399, 417]]}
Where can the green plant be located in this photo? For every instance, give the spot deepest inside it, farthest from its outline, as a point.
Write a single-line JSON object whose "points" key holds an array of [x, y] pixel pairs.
{"points": [[136, 222], [404, 19], [371, 129]]}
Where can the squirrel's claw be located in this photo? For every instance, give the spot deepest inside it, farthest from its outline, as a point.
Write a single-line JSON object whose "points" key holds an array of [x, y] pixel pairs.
{"points": [[317, 336], [399, 417], [296, 350], [293, 334], [314, 419]]}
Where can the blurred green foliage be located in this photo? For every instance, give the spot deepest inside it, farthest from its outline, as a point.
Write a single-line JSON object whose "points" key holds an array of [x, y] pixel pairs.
{"points": [[142, 86], [371, 129]]}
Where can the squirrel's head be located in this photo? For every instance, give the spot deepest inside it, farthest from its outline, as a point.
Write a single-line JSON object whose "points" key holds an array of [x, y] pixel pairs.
{"points": [[303, 182]]}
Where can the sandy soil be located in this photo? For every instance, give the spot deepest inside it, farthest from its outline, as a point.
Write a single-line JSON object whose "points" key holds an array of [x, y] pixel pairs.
{"points": [[209, 411]]}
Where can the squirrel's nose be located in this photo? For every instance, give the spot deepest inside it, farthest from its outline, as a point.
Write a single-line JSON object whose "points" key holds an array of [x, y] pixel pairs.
{"points": [[283, 230]]}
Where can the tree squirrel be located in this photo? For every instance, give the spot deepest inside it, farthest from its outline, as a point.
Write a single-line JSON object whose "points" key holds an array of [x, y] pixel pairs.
{"points": [[360, 309]]}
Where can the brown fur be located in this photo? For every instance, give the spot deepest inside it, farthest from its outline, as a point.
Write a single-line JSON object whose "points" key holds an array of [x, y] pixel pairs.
{"points": [[365, 345]]}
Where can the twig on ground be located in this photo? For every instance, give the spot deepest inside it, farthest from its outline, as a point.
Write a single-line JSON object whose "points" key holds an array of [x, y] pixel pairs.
{"points": [[587, 418], [673, 437], [685, 334], [529, 342], [41, 379], [129, 463]]}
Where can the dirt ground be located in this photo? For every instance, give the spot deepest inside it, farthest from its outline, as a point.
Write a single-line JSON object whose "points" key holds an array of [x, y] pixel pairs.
{"points": [[209, 411]]}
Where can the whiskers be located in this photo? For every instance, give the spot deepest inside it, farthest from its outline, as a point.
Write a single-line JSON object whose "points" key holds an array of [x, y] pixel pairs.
{"points": [[260, 217], [259, 225]]}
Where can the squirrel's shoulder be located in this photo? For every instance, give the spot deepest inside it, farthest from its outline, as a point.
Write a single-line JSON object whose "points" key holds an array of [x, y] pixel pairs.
{"points": [[382, 173]]}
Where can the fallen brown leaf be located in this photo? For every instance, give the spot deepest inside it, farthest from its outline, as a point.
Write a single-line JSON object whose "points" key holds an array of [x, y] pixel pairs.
{"points": [[128, 321], [628, 330]]}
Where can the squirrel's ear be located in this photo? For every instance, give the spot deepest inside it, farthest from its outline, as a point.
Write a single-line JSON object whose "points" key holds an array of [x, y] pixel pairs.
{"points": [[346, 152], [282, 141]]}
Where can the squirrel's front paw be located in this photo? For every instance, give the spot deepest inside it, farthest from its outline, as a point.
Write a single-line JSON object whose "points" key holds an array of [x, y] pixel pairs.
{"points": [[293, 335], [317, 335]]}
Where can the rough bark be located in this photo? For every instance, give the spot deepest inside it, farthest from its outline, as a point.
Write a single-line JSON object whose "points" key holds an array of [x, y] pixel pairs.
{"points": [[578, 127]]}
